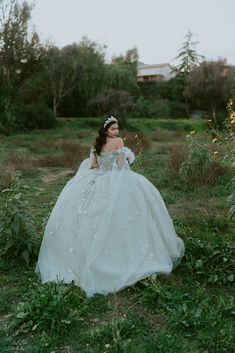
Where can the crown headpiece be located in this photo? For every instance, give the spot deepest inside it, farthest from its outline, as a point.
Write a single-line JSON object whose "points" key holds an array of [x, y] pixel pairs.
{"points": [[109, 120]]}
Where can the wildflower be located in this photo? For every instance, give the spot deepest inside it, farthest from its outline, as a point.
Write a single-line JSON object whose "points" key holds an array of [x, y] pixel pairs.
{"points": [[209, 120], [214, 140], [232, 118], [136, 136], [215, 153]]}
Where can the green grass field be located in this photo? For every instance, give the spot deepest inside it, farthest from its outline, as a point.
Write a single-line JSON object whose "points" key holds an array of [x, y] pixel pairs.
{"points": [[189, 311]]}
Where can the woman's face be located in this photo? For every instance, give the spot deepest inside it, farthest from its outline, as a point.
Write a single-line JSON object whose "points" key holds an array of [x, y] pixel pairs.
{"points": [[113, 130]]}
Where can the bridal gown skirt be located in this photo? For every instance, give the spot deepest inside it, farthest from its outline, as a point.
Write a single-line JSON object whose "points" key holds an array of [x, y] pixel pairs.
{"points": [[107, 230]]}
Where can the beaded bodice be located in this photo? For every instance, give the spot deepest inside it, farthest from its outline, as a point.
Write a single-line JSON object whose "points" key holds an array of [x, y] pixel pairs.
{"points": [[108, 160]]}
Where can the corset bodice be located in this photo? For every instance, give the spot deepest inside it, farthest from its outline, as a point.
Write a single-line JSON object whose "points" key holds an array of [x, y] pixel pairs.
{"points": [[106, 161]]}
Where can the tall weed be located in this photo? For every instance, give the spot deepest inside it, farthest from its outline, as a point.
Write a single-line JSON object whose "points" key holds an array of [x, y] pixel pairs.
{"points": [[18, 241]]}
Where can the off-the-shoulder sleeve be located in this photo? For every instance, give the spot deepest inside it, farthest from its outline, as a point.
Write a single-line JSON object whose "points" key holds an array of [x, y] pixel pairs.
{"points": [[120, 157], [130, 156]]}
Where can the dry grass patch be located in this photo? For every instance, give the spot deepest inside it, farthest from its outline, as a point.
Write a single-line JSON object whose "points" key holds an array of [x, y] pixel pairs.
{"points": [[178, 155], [166, 135], [21, 161], [204, 207], [6, 177], [73, 154], [136, 142], [42, 146], [51, 177]]}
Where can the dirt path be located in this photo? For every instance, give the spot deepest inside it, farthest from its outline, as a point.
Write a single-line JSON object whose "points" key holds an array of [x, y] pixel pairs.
{"points": [[51, 177]]}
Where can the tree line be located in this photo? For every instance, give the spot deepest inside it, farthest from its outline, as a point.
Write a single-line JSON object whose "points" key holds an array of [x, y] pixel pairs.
{"points": [[39, 82]]}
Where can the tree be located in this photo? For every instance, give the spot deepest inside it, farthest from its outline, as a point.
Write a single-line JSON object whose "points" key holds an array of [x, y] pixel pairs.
{"points": [[209, 86], [122, 72], [59, 74], [14, 41], [20, 65], [188, 56], [90, 73], [189, 60], [112, 102]]}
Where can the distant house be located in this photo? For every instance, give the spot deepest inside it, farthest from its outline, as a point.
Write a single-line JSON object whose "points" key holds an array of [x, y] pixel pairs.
{"points": [[147, 72]]}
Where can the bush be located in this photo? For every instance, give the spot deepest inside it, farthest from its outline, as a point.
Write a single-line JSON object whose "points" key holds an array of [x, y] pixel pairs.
{"points": [[8, 119], [200, 167], [17, 116], [112, 102], [177, 110], [36, 116], [155, 109], [18, 242]]}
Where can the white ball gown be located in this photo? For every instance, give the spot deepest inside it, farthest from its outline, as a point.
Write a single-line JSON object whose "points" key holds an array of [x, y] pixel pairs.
{"points": [[108, 229]]}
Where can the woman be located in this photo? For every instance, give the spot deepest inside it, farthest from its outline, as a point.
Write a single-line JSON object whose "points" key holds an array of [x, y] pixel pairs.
{"points": [[109, 227]]}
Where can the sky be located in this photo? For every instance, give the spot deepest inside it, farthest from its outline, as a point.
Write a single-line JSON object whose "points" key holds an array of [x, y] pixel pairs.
{"points": [[156, 27]]}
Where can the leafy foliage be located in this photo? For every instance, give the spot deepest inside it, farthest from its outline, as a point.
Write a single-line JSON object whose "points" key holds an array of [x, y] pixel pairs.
{"points": [[18, 240], [188, 56], [200, 167], [54, 307], [208, 87], [192, 313], [227, 139], [44, 308], [112, 102], [208, 262]]}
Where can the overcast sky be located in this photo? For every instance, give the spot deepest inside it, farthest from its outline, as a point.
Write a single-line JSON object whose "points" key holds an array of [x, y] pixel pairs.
{"points": [[156, 27]]}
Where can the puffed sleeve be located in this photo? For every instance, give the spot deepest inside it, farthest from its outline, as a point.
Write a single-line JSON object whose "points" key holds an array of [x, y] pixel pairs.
{"points": [[93, 158], [130, 156]]}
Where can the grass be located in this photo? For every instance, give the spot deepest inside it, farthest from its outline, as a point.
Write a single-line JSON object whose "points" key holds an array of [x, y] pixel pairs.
{"points": [[189, 311]]}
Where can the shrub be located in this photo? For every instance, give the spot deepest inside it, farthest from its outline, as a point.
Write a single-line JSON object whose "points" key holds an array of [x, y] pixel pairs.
{"points": [[157, 108], [8, 118], [18, 242], [36, 116], [200, 167], [112, 102], [177, 110], [227, 139]]}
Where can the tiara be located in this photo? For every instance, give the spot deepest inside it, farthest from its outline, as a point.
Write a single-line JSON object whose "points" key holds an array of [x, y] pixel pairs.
{"points": [[107, 121]]}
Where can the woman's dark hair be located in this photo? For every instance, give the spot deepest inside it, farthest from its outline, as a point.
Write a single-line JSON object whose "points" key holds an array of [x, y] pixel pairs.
{"points": [[101, 138]]}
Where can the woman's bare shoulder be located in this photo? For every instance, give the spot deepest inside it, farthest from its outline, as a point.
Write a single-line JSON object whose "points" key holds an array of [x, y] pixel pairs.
{"points": [[119, 142], [113, 144]]}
